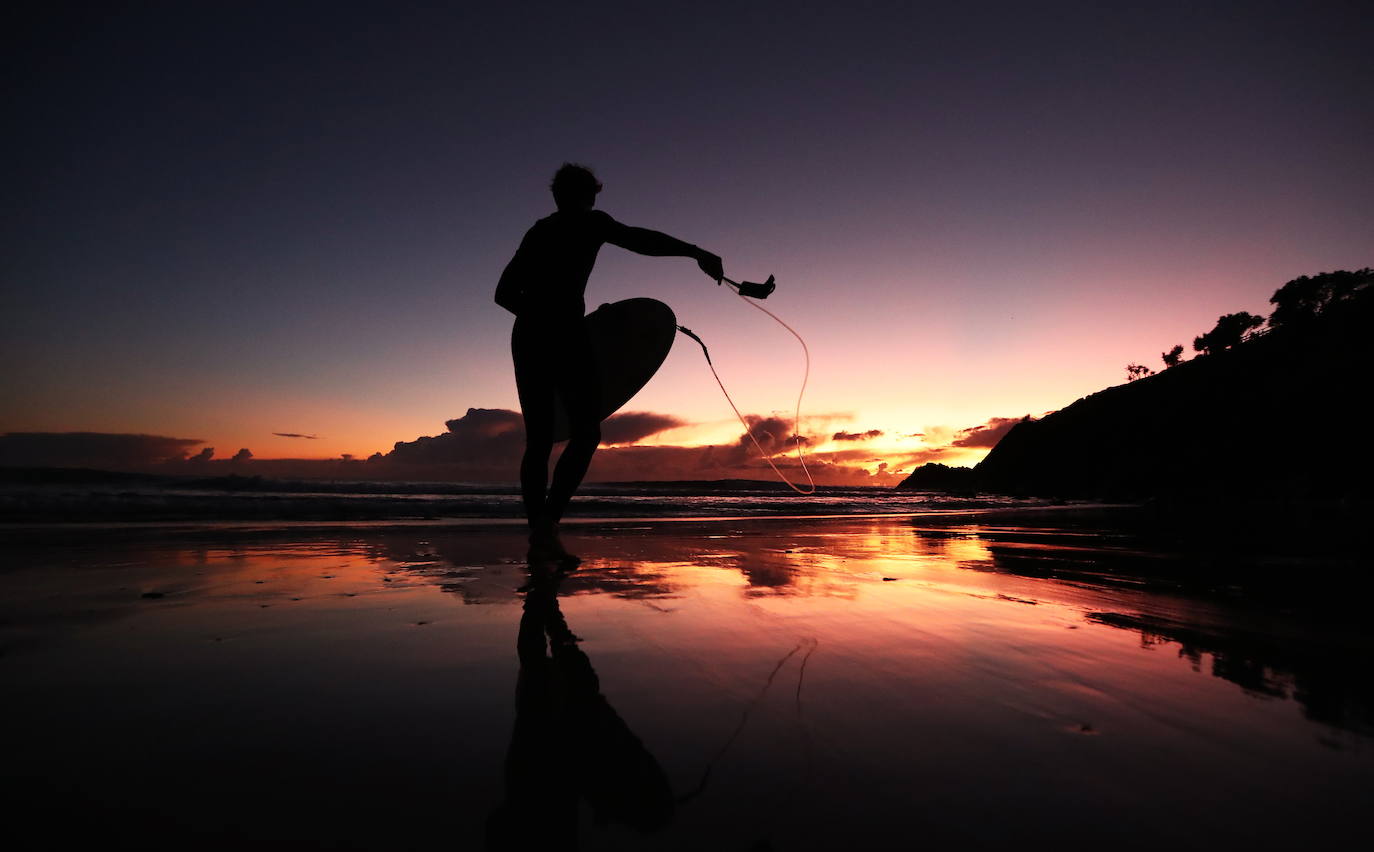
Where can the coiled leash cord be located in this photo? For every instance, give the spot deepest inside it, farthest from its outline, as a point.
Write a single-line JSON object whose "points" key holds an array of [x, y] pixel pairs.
{"points": [[760, 291]]}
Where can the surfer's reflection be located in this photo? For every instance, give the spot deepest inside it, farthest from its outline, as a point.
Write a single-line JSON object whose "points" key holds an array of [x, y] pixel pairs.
{"points": [[568, 742]]}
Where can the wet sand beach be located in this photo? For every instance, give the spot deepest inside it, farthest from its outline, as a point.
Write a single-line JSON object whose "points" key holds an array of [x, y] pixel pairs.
{"points": [[743, 684]]}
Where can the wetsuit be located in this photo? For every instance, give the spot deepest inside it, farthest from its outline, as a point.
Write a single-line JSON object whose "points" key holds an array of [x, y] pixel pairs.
{"points": [[544, 284]]}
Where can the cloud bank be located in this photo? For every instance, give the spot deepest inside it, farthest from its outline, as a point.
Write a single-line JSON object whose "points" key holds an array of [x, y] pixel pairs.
{"points": [[118, 451], [629, 427], [485, 445]]}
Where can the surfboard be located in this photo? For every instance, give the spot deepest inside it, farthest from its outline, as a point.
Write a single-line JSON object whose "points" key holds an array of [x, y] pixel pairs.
{"points": [[631, 338]]}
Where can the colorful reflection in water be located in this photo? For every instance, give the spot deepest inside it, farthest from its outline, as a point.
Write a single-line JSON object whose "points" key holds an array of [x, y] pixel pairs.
{"points": [[808, 685]]}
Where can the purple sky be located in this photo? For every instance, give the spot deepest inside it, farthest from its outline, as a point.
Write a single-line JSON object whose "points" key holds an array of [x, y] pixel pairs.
{"points": [[233, 220]]}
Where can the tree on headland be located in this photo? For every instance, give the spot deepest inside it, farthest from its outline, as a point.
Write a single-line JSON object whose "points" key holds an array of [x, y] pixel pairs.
{"points": [[1123, 442], [1137, 371], [1229, 331], [1308, 297]]}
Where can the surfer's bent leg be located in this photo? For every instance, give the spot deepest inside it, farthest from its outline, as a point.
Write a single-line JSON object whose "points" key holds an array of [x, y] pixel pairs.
{"points": [[534, 381], [578, 381]]}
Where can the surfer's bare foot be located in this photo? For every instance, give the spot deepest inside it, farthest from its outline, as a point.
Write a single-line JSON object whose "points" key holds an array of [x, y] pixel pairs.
{"points": [[546, 546]]}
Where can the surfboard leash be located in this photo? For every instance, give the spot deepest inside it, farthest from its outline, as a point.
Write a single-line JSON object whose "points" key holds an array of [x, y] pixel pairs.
{"points": [[810, 644], [806, 375]]}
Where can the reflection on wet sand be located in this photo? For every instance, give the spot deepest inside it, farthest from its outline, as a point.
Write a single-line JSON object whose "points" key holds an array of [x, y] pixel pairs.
{"points": [[1207, 607], [1332, 686], [1290, 654], [568, 743], [1263, 628], [967, 685]]}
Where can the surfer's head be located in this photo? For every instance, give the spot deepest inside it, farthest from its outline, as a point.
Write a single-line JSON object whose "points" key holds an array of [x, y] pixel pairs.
{"points": [[574, 187]]}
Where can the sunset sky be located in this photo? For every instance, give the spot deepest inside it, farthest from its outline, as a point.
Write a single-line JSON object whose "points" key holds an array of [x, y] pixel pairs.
{"points": [[237, 222]]}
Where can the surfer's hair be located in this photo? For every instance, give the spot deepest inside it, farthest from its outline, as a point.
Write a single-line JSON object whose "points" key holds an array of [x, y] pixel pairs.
{"points": [[574, 185]]}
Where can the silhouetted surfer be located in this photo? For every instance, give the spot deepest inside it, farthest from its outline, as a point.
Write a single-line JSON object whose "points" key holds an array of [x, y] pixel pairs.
{"points": [[543, 286]]}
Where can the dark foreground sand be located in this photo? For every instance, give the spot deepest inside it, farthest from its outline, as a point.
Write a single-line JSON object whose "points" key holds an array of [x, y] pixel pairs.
{"points": [[819, 684]]}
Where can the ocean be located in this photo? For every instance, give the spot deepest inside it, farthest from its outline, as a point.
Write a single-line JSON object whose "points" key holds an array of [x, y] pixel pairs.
{"points": [[133, 497]]}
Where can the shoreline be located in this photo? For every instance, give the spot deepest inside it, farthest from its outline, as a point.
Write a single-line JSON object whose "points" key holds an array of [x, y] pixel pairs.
{"points": [[578, 522]]}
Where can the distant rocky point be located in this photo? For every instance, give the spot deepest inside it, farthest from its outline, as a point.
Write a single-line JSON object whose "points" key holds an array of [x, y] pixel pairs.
{"points": [[940, 477]]}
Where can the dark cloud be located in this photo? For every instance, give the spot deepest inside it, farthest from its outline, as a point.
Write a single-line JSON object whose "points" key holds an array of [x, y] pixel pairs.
{"points": [[91, 449], [774, 434], [488, 442], [986, 435], [630, 426], [296, 435], [204, 455], [857, 436], [242, 455], [483, 437]]}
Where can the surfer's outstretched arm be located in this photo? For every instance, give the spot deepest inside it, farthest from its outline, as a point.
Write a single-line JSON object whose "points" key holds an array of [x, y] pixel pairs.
{"points": [[657, 244]]}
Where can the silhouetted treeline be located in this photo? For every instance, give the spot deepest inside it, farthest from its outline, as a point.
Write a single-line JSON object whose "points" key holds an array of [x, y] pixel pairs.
{"points": [[1274, 414]]}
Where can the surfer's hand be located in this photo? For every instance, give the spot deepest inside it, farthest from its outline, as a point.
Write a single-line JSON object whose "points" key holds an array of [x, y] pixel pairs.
{"points": [[711, 265]]}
